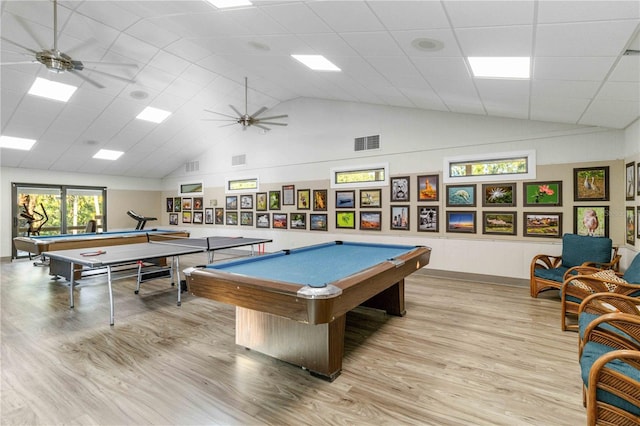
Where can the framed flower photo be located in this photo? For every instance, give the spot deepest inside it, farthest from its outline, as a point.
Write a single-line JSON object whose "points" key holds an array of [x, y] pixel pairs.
{"points": [[346, 219], [591, 184], [318, 222], [547, 193], [462, 221], [630, 181], [320, 200], [591, 220], [461, 195], [370, 221], [400, 188], [370, 198], [547, 225], [499, 195], [499, 223], [428, 188], [400, 218], [428, 219]]}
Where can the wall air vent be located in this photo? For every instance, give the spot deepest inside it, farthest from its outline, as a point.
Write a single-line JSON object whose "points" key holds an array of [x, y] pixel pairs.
{"points": [[192, 166], [239, 160], [366, 142]]}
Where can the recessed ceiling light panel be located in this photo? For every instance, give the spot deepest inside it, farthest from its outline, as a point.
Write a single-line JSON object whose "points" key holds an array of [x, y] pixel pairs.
{"points": [[154, 115], [11, 142], [316, 62], [107, 154], [52, 89], [516, 67]]}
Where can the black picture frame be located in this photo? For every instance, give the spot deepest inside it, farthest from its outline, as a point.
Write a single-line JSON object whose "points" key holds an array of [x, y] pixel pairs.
{"points": [[186, 216], [288, 195], [169, 204], [304, 199], [630, 181], [345, 219], [246, 218], [591, 183], [262, 201], [400, 189], [177, 204], [208, 216], [400, 218], [231, 202], [218, 216], [499, 194], [500, 222], [274, 200], [370, 198], [428, 219], [198, 217], [461, 195], [345, 199], [591, 220], [370, 220], [630, 225], [542, 193], [428, 188], [461, 221], [318, 222], [263, 220], [542, 225], [198, 203], [173, 218], [246, 202], [231, 218], [298, 220], [320, 200], [279, 220]]}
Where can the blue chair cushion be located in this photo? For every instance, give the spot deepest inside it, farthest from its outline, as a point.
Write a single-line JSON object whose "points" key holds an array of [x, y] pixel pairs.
{"points": [[577, 249], [585, 318], [632, 274], [592, 351], [554, 274]]}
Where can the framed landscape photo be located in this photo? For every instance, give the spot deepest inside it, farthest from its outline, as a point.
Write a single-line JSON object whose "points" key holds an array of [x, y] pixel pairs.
{"points": [[231, 218], [345, 199], [428, 188], [400, 189], [464, 222], [499, 195], [428, 219], [274, 200], [631, 225], [208, 216], [370, 221], [219, 216], [197, 217], [547, 225], [318, 222], [370, 198], [547, 193], [346, 219], [279, 220], [288, 195], [320, 200], [400, 218], [298, 221], [263, 220], [591, 184], [591, 220], [231, 202], [173, 218], [246, 218], [499, 223], [630, 181], [261, 201], [461, 195], [304, 199], [246, 201]]}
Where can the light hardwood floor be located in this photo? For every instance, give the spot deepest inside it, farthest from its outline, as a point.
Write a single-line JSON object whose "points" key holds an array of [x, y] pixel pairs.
{"points": [[465, 354]]}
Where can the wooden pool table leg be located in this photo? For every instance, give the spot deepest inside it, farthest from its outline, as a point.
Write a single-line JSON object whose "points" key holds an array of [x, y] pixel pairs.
{"points": [[390, 300]]}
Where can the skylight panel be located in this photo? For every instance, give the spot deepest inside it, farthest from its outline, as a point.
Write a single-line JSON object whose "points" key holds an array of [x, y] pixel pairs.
{"points": [[107, 154], [154, 115], [516, 67], [11, 142], [224, 4], [52, 89], [316, 62]]}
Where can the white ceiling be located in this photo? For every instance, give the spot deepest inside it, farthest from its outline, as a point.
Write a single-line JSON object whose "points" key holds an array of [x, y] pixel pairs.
{"points": [[191, 56]]}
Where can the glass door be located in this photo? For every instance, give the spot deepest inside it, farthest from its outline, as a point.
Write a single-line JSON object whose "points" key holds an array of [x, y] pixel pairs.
{"points": [[84, 212]]}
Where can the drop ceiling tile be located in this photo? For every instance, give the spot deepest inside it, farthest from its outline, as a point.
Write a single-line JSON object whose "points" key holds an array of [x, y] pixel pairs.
{"points": [[399, 71], [437, 70], [489, 13], [410, 15], [569, 11], [614, 114], [623, 91], [136, 50], [255, 20], [576, 69], [445, 36], [515, 40], [296, 18], [329, 45], [340, 16], [583, 39], [373, 44], [108, 13], [152, 34], [188, 50], [627, 69], [564, 88]]}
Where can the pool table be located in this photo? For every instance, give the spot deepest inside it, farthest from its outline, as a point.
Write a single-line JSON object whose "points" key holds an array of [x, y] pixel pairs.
{"points": [[42, 243], [292, 304]]}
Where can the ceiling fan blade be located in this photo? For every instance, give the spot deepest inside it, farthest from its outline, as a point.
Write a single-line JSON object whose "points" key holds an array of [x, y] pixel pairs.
{"points": [[126, 80], [87, 79], [19, 62], [234, 120], [224, 115], [227, 125], [19, 45], [258, 112], [261, 126], [274, 116], [110, 64], [236, 111], [41, 44], [271, 123]]}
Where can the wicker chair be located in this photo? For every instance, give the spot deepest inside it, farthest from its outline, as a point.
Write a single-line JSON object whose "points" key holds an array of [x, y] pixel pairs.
{"points": [[592, 280], [548, 272], [610, 366]]}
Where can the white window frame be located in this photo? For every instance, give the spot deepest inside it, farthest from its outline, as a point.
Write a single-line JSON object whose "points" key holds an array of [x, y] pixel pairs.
{"points": [[228, 182], [336, 185], [530, 155]]}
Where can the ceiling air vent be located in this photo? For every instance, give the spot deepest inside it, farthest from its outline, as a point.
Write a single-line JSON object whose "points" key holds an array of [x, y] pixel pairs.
{"points": [[366, 142], [192, 166], [239, 160]]}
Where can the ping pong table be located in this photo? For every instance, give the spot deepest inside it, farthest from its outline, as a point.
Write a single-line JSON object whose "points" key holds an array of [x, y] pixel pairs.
{"points": [[167, 247]]}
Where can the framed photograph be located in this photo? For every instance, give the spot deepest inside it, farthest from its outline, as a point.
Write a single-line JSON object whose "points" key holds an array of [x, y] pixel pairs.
{"points": [[499, 223], [169, 204], [186, 203], [274, 200], [631, 225], [177, 204], [198, 203], [298, 221], [231, 218], [320, 200], [548, 193], [280, 219], [318, 222], [428, 188], [219, 216], [231, 202], [547, 225], [345, 199], [173, 218], [400, 189], [288, 195], [246, 218], [499, 195], [208, 216], [263, 220], [630, 181], [304, 199], [370, 198], [428, 218], [638, 177], [463, 222], [591, 184], [638, 221], [197, 217], [400, 218], [461, 195], [370, 221], [261, 201], [186, 216], [590, 220], [246, 201], [346, 219]]}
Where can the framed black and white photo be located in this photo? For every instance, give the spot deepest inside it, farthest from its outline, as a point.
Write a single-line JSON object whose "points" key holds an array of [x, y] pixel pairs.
{"points": [[400, 189], [428, 219]]}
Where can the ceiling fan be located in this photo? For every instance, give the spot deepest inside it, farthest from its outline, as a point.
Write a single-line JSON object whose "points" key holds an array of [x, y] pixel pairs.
{"points": [[58, 62], [245, 119]]}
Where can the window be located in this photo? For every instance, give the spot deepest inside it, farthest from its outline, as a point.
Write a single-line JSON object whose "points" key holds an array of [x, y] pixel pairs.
{"points": [[375, 175], [242, 185], [490, 167]]}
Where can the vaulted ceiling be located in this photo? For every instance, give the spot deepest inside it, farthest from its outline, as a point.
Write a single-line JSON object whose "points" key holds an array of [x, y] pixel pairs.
{"points": [[190, 56]]}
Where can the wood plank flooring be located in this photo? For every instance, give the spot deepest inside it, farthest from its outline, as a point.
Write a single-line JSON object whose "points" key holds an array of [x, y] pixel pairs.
{"points": [[465, 354]]}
